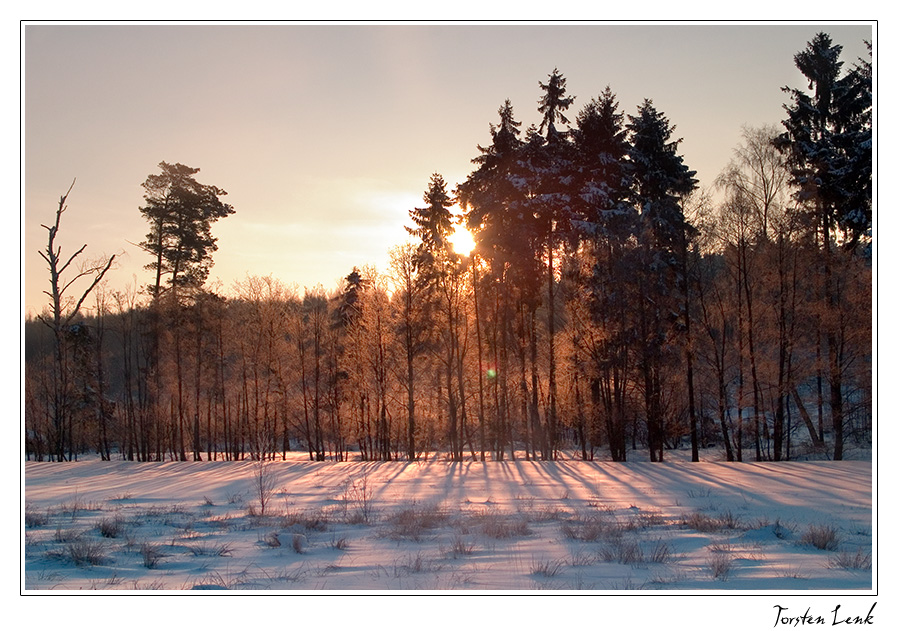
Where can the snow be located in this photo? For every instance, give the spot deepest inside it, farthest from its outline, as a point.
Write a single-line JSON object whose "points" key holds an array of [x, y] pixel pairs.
{"points": [[426, 527]]}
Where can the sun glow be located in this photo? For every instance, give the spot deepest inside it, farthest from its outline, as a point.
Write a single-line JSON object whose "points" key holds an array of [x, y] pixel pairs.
{"points": [[462, 240]]}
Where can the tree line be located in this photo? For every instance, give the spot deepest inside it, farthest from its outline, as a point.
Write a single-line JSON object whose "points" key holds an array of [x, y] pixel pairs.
{"points": [[607, 305]]}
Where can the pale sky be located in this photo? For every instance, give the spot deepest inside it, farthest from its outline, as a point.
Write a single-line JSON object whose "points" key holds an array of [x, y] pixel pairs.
{"points": [[325, 136]]}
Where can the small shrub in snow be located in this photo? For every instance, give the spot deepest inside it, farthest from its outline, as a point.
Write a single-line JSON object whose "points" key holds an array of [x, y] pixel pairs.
{"points": [[415, 564], [85, 552], [496, 525], [265, 481], [544, 514], [413, 523], [77, 505], [821, 537], [590, 528], [35, 518], [645, 519], [66, 536], [582, 558], [308, 520], [298, 543], [624, 551], [356, 500], [458, 547], [858, 560], [111, 527], [210, 549], [547, 568], [151, 554], [791, 572], [729, 521], [704, 523], [721, 564], [661, 552]]}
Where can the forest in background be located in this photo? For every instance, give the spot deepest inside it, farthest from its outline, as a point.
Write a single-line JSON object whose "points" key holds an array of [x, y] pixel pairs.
{"points": [[608, 305]]}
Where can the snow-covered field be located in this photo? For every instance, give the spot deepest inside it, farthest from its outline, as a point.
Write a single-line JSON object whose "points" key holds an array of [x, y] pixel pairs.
{"points": [[567, 525]]}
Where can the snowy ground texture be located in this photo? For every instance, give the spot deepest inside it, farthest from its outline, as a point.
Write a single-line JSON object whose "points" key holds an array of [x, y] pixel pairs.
{"points": [[567, 525]]}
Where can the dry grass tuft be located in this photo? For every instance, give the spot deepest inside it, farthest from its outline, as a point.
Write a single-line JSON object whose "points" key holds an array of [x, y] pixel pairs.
{"points": [[706, 523], [151, 554], [822, 537], [34, 517], [721, 564], [67, 536], [844, 560], [85, 552], [547, 568], [309, 520], [459, 547], [624, 551], [210, 549], [413, 523], [496, 525], [592, 527], [661, 552], [111, 527]]}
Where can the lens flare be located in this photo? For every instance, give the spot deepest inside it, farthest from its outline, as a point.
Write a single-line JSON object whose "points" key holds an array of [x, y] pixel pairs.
{"points": [[462, 241]]}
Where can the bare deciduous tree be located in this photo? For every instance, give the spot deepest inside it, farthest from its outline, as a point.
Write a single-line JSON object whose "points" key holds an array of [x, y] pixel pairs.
{"points": [[63, 311]]}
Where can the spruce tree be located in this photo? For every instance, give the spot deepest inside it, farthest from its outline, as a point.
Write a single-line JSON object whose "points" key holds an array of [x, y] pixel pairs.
{"points": [[606, 220], [661, 180], [828, 144]]}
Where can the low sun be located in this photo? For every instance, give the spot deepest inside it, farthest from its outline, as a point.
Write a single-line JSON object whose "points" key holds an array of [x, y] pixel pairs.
{"points": [[462, 240]]}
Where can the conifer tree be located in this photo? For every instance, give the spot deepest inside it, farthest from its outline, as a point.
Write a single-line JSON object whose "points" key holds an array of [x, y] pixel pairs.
{"points": [[661, 180], [180, 211], [606, 220], [827, 140]]}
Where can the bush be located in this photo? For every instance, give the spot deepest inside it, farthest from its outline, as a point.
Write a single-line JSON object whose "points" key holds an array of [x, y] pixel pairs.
{"points": [[66, 536], [661, 552], [459, 547], [547, 568], [591, 529], [706, 523], [721, 564], [151, 555], [626, 552], [210, 550], [859, 560], [497, 525], [36, 518], [86, 552], [111, 527], [308, 520], [821, 537], [413, 523], [357, 500]]}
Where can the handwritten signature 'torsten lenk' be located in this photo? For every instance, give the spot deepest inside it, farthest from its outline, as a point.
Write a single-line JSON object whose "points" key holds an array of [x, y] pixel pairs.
{"points": [[807, 618]]}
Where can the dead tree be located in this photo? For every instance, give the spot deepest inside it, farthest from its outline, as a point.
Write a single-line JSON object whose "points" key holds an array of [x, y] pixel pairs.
{"points": [[63, 311]]}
